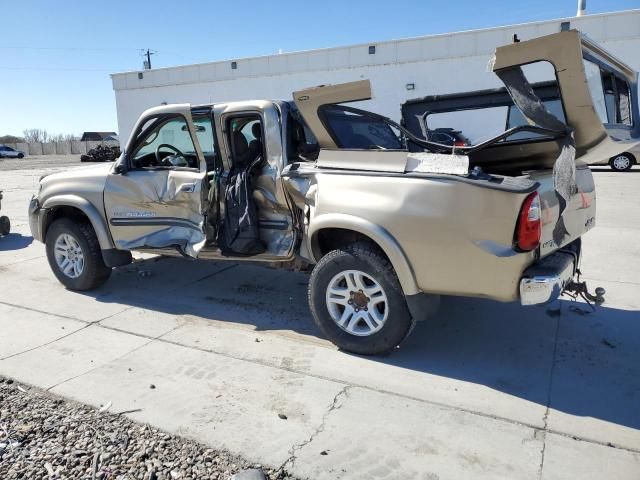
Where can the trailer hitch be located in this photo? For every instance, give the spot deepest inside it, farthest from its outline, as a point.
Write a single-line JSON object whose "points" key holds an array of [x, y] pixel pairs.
{"points": [[577, 288]]}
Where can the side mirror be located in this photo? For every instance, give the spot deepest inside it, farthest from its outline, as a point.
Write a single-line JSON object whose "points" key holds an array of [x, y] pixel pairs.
{"points": [[120, 168]]}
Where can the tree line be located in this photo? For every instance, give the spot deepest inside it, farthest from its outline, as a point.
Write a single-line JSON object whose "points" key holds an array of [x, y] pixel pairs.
{"points": [[32, 135]]}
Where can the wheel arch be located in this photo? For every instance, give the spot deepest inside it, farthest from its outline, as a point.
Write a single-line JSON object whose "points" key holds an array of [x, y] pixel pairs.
{"points": [[74, 207], [341, 227]]}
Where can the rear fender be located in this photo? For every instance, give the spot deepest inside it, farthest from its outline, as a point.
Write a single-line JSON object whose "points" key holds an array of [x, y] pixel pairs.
{"points": [[379, 235]]}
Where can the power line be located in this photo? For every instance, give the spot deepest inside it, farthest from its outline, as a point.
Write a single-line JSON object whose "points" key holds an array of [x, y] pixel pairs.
{"points": [[89, 49], [60, 69]]}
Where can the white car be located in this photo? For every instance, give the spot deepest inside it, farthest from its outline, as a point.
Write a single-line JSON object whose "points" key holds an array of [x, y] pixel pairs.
{"points": [[8, 152]]}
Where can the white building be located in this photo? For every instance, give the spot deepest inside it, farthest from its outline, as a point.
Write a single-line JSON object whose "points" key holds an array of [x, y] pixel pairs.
{"points": [[398, 69]]}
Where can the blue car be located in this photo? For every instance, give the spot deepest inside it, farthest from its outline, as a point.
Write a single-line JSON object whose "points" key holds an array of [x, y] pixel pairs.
{"points": [[8, 152]]}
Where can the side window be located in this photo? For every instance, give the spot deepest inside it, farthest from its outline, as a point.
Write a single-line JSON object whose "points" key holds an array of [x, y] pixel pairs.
{"points": [[245, 139], [205, 133], [476, 124], [359, 130], [301, 143], [594, 81], [610, 94], [166, 142], [516, 119]]}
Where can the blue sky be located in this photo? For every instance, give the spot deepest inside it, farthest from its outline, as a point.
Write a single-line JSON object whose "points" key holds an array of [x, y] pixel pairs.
{"points": [[55, 57]]}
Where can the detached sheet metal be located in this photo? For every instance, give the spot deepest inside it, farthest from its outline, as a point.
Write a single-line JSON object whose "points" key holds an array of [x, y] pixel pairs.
{"points": [[566, 51]]}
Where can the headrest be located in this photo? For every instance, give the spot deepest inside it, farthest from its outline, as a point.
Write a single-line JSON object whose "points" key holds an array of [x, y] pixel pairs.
{"points": [[256, 129], [240, 143]]}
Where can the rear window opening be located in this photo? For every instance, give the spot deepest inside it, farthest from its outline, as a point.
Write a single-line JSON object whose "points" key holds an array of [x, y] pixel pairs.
{"points": [[488, 114], [352, 129]]}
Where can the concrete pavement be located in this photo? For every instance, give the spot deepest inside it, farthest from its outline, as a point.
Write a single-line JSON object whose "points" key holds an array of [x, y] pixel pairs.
{"points": [[485, 390]]}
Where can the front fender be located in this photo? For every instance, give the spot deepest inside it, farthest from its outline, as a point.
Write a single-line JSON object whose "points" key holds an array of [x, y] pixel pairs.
{"points": [[378, 234], [86, 207]]}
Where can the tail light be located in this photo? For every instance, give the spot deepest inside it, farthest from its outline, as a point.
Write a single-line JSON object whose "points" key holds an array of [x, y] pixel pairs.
{"points": [[529, 226], [459, 143]]}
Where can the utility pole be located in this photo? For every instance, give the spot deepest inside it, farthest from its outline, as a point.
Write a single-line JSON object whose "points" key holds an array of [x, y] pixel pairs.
{"points": [[147, 63]]}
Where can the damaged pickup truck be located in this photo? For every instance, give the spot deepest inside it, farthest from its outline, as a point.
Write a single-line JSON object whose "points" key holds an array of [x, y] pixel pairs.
{"points": [[388, 219]]}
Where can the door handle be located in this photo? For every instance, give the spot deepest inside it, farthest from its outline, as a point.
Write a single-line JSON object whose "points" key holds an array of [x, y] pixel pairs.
{"points": [[187, 188]]}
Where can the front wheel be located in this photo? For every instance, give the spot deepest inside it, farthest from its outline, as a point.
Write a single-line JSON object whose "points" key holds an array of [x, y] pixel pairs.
{"points": [[357, 302], [74, 255], [621, 163]]}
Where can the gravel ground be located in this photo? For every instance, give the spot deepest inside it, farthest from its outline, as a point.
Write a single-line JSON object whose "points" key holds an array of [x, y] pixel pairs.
{"points": [[43, 436], [40, 161]]}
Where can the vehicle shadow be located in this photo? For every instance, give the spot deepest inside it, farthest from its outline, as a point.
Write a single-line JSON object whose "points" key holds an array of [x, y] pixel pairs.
{"points": [[251, 294], [589, 360], [14, 241]]}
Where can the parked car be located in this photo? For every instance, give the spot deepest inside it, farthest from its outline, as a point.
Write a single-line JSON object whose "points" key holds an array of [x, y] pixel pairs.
{"points": [[624, 161], [448, 136], [8, 152], [335, 190], [5, 224]]}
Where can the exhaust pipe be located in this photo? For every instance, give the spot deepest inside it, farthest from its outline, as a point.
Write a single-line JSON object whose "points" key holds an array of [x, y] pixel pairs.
{"points": [[582, 6]]}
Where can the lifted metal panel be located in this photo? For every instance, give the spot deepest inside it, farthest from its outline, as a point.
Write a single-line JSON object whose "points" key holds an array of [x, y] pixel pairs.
{"points": [[309, 100]]}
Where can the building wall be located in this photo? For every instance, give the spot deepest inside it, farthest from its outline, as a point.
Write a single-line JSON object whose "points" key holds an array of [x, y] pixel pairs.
{"points": [[435, 65]]}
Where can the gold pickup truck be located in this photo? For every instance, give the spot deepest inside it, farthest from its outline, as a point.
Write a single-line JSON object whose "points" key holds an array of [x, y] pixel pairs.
{"points": [[388, 219]]}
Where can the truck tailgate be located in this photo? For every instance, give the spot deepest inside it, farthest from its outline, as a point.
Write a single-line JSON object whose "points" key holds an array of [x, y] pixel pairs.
{"points": [[562, 226]]}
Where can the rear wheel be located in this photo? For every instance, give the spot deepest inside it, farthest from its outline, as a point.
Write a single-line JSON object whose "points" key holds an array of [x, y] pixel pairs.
{"points": [[21, 155], [621, 163], [357, 302], [74, 255]]}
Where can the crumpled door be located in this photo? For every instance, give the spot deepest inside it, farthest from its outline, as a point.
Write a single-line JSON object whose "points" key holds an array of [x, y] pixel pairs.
{"points": [[158, 208]]}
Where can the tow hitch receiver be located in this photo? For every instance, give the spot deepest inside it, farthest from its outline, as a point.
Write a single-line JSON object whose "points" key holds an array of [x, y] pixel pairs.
{"points": [[577, 288]]}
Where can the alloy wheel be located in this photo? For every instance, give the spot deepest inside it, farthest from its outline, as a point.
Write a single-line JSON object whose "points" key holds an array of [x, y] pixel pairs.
{"points": [[621, 162], [69, 256], [357, 303]]}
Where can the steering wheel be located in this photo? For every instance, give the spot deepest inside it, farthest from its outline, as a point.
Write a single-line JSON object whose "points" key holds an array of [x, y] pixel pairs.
{"points": [[170, 147]]}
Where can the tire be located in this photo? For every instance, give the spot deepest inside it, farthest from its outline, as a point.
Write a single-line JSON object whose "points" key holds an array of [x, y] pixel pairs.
{"points": [[621, 163], [335, 272], [5, 226], [21, 155], [81, 237]]}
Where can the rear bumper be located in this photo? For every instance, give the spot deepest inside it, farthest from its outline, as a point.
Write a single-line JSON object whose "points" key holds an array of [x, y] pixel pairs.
{"points": [[544, 281]]}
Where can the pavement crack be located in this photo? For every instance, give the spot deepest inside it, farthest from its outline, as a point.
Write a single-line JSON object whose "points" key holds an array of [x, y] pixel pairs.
{"points": [[295, 449], [44, 312], [206, 277], [150, 340], [45, 344], [545, 418]]}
